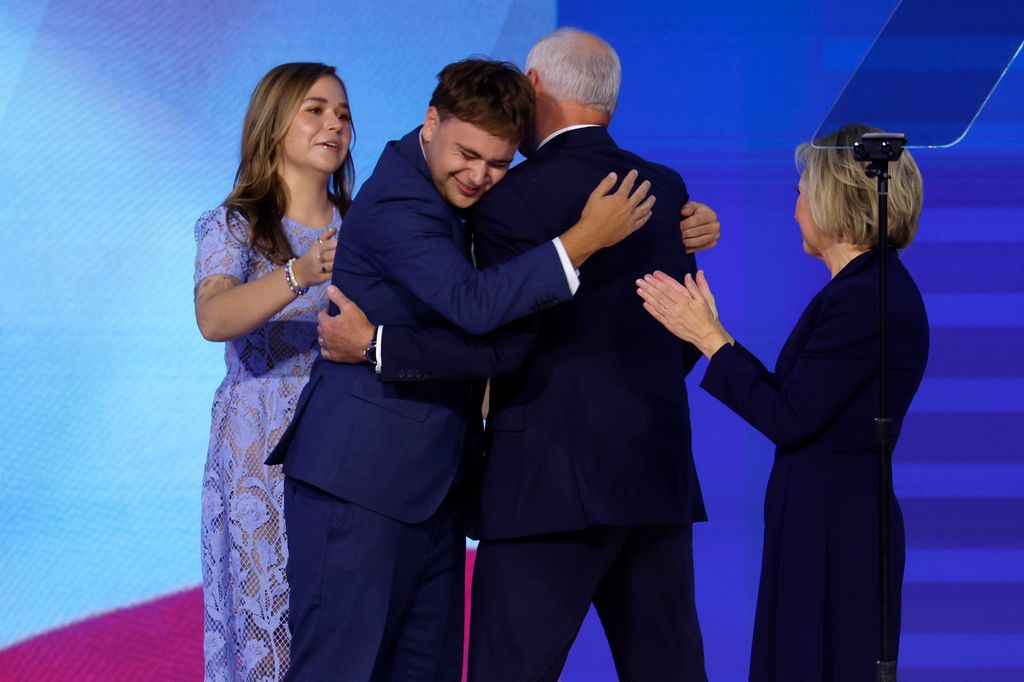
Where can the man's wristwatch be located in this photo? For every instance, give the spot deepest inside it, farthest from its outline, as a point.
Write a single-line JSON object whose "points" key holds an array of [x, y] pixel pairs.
{"points": [[370, 352]]}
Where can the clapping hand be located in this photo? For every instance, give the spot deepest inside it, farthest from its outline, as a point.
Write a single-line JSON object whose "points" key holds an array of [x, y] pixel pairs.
{"points": [[686, 309]]}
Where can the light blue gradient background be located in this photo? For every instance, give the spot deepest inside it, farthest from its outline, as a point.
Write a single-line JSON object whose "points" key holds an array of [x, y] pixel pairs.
{"points": [[119, 125]]}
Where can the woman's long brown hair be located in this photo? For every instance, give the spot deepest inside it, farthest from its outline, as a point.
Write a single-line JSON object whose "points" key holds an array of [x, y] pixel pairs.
{"points": [[260, 195]]}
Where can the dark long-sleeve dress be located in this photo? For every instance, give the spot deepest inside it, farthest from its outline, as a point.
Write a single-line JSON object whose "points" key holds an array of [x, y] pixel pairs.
{"points": [[817, 612]]}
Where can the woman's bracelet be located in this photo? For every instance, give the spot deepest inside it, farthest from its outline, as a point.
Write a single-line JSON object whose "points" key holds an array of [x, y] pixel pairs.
{"points": [[293, 284]]}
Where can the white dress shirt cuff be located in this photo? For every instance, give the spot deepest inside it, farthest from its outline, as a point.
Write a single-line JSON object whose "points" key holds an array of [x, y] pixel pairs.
{"points": [[572, 275], [380, 353]]}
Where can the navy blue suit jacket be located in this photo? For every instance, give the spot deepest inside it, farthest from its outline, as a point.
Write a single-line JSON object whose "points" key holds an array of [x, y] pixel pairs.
{"points": [[594, 428], [403, 257], [821, 504], [823, 394]]}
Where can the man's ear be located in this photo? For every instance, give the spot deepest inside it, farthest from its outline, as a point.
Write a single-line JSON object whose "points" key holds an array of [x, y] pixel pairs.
{"points": [[430, 123], [535, 83]]}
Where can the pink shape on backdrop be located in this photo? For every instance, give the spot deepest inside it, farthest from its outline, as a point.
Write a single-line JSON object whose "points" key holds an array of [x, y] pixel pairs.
{"points": [[157, 640]]}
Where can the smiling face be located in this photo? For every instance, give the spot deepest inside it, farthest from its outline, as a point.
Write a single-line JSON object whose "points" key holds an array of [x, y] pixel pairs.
{"points": [[464, 161], [318, 137]]}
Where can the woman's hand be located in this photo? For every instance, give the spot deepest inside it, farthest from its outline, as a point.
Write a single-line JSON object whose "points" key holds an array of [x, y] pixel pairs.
{"points": [[705, 292], [315, 266], [688, 310]]}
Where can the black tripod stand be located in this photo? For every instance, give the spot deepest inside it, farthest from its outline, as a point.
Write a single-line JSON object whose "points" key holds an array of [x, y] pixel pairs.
{"points": [[878, 149]]}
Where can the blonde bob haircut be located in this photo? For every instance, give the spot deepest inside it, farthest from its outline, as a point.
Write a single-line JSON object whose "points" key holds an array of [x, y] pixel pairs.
{"points": [[844, 200]]}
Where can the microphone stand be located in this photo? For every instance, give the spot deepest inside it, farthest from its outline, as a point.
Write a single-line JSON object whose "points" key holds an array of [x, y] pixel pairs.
{"points": [[878, 149]]}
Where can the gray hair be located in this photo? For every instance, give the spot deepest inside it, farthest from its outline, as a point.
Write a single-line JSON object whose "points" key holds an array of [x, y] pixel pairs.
{"points": [[576, 66]]}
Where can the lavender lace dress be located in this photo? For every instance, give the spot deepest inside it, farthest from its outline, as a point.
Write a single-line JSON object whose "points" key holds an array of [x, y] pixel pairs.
{"points": [[245, 594]]}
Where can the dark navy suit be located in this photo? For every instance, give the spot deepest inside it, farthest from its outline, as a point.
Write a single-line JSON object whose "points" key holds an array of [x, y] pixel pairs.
{"points": [[818, 605], [375, 561], [588, 488]]}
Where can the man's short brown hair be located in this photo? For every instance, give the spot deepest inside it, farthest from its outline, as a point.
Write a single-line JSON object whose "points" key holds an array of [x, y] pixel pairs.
{"points": [[494, 96]]}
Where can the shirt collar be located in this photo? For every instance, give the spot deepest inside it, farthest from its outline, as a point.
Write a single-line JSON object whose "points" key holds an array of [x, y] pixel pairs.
{"points": [[565, 130]]}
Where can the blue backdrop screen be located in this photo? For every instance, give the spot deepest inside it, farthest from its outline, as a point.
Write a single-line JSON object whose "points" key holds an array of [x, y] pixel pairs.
{"points": [[120, 123]]}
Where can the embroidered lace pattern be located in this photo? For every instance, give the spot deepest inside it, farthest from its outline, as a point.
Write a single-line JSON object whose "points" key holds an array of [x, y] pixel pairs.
{"points": [[245, 593]]}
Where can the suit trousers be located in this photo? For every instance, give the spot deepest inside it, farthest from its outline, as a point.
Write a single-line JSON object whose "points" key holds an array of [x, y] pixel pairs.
{"points": [[531, 594], [372, 598]]}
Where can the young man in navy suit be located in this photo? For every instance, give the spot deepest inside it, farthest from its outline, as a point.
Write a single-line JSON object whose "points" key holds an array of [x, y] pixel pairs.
{"points": [[375, 560], [588, 490]]}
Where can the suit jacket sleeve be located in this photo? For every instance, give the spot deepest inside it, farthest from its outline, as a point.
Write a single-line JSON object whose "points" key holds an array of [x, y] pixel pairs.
{"points": [[839, 357], [504, 229], [413, 247], [443, 351]]}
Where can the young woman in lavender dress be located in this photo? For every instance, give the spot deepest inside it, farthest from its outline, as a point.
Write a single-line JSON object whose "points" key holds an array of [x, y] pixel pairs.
{"points": [[263, 259]]}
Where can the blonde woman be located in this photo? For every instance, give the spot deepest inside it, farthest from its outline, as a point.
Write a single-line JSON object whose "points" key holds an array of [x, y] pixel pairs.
{"points": [[262, 261], [818, 610]]}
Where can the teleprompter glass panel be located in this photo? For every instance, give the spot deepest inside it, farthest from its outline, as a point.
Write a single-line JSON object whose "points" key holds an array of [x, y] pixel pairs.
{"points": [[931, 69]]}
